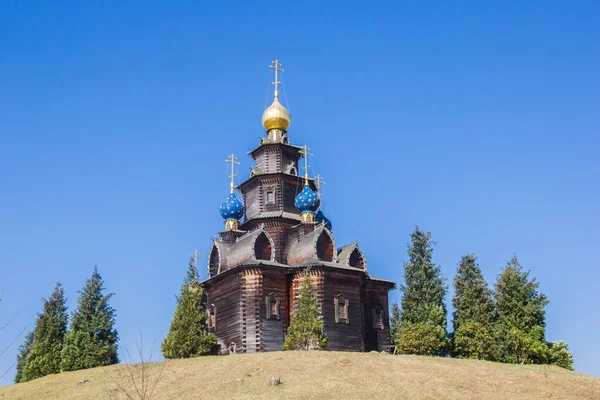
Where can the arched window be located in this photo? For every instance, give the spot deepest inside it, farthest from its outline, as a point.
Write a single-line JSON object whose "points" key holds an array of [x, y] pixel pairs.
{"points": [[273, 303], [341, 304], [214, 261], [356, 259], [325, 247], [262, 247]]}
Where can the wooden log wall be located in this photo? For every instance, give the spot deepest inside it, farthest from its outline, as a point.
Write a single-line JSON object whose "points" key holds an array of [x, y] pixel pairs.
{"points": [[251, 294], [225, 295], [341, 335], [272, 330], [376, 295]]}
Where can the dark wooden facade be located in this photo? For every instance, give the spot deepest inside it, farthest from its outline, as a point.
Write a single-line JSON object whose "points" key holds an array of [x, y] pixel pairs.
{"points": [[255, 271]]}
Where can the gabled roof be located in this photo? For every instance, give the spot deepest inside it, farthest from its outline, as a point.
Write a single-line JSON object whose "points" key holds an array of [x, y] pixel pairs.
{"points": [[346, 251], [303, 247], [242, 250]]}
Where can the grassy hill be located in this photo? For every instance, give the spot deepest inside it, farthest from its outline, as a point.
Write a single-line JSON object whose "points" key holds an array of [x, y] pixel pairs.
{"points": [[317, 375]]}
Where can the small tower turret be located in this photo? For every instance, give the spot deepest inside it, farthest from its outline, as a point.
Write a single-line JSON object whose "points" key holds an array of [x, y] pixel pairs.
{"points": [[232, 209], [276, 118], [307, 202]]}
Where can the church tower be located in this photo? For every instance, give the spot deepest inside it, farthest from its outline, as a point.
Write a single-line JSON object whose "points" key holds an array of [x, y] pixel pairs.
{"points": [[255, 265]]}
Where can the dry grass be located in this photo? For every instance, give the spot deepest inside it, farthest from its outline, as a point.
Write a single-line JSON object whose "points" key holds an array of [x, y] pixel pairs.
{"points": [[328, 375]]}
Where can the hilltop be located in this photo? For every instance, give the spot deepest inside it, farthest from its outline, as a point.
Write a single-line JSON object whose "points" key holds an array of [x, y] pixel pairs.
{"points": [[316, 375]]}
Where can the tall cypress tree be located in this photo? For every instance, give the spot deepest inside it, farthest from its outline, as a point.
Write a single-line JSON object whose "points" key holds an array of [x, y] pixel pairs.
{"points": [[521, 311], [424, 288], [473, 300], [188, 335], [48, 337], [475, 313], [306, 330], [92, 339], [24, 351]]}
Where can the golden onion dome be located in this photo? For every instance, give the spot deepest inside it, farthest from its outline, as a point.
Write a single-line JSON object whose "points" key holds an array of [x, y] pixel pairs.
{"points": [[276, 116]]}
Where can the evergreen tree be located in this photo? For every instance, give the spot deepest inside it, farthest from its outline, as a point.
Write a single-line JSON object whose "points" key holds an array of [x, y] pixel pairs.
{"points": [[522, 315], [475, 313], [306, 330], [92, 339], [24, 351], [424, 287], [48, 337], [473, 300], [395, 323], [188, 335]]}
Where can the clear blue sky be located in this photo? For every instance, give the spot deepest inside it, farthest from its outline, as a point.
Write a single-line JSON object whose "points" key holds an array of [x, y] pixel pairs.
{"points": [[476, 121]]}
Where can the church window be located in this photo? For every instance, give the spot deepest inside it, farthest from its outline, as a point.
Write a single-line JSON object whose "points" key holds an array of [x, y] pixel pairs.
{"points": [[212, 318], [270, 197], [377, 317], [262, 247], [273, 303], [341, 309], [325, 247]]}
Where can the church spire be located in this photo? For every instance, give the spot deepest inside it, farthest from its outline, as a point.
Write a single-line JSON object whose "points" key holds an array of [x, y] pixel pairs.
{"points": [[276, 118]]}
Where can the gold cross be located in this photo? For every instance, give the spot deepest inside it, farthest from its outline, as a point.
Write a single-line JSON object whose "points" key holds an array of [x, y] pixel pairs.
{"points": [[276, 66], [305, 153], [233, 160]]}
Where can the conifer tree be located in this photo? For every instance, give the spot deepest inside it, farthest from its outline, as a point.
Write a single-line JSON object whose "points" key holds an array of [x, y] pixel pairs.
{"points": [[22, 356], [306, 330], [423, 293], [522, 315], [475, 313], [188, 335], [424, 288], [48, 337], [92, 339]]}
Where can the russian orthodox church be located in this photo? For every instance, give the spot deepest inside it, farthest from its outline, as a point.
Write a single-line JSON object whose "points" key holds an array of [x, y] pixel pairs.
{"points": [[256, 264]]}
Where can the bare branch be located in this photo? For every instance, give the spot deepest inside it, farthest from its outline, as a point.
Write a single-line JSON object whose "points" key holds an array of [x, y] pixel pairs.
{"points": [[143, 376]]}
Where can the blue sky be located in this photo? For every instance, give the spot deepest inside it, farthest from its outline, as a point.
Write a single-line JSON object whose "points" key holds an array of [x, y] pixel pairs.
{"points": [[476, 121]]}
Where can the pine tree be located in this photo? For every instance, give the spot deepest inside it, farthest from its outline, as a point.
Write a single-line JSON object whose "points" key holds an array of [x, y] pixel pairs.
{"points": [[522, 315], [92, 339], [475, 313], [424, 288], [306, 330], [48, 337], [188, 335], [24, 351]]}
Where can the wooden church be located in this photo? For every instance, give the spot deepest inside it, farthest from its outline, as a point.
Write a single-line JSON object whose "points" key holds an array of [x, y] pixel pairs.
{"points": [[256, 264]]}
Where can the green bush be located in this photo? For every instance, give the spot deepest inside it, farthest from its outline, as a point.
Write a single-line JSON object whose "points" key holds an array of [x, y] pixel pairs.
{"points": [[560, 355], [477, 341], [422, 339]]}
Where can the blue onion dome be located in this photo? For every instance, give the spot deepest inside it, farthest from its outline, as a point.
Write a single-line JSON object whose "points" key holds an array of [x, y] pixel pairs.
{"points": [[307, 200], [321, 218], [232, 208]]}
